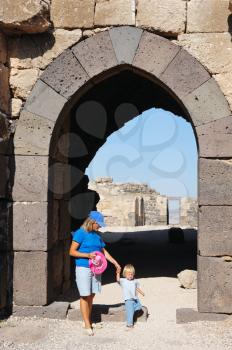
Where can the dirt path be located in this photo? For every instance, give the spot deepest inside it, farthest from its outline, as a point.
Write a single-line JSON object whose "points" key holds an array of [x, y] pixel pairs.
{"points": [[160, 332], [163, 297]]}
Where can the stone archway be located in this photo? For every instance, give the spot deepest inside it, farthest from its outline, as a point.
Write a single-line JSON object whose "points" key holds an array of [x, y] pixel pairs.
{"points": [[74, 71]]}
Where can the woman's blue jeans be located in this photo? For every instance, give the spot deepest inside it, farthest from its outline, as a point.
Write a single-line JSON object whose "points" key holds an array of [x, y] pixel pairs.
{"points": [[131, 306]]}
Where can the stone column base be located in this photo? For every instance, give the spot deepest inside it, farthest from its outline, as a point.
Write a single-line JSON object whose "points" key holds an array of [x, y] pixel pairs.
{"points": [[186, 315]]}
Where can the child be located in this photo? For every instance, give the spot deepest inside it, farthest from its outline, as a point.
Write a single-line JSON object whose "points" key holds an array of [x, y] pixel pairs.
{"points": [[130, 287]]}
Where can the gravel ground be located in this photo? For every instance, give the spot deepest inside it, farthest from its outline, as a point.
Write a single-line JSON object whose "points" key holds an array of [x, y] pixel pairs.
{"points": [[163, 296], [157, 263]]}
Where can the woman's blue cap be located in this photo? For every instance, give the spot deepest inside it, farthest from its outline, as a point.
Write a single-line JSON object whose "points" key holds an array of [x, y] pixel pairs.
{"points": [[98, 217]]}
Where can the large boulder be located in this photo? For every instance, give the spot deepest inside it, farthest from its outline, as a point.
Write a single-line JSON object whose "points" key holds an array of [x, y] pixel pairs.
{"points": [[25, 16], [188, 279]]}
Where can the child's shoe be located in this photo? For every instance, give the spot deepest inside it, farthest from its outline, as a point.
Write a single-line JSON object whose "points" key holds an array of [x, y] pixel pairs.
{"points": [[129, 328]]}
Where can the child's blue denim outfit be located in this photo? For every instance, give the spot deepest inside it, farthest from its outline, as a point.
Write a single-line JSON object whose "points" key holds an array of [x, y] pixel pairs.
{"points": [[131, 306], [132, 302]]}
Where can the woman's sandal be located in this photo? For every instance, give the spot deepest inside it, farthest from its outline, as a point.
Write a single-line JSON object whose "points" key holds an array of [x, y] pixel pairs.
{"points": [[97, 325], [88, 331], [94, 325]]}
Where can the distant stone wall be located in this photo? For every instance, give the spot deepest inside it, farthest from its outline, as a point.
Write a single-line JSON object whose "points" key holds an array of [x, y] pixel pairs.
{"points": [[119, 203], [188, 212]]}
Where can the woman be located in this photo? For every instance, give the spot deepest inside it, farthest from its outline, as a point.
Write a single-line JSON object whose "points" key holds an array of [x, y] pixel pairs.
{"points": [[85, 241]]}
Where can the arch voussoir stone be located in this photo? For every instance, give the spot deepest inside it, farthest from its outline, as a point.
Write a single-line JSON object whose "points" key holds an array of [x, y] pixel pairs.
{"points": [[206, 103], [65, 75], [184, 74], [45, 102], [96, 54], [70, 74], [125, 41], [154, 54]]}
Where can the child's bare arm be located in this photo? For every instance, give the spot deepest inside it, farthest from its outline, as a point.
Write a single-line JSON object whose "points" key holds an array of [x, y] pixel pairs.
{"points": [[118, 276], [140, 291]]}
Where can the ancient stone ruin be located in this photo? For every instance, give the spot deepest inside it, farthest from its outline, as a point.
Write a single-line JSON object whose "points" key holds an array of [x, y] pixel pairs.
{"points": [[55, 57], [131, 204]]}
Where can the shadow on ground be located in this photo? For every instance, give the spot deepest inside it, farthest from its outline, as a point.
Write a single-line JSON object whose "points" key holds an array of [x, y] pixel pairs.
{"points": [[150, 252]]}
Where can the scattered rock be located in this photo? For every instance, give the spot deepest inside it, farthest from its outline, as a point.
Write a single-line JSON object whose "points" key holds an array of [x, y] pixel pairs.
{"points": [[188, 279], [227, 258]]}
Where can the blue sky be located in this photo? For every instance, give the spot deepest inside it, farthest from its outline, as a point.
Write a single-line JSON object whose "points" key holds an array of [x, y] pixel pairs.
{"points": [[156, 148]]}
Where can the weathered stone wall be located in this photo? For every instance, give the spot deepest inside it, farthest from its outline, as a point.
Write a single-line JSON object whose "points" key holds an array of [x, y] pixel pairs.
{"points": [[202, 27], [34, 33], [155, 207], [189, 212], [118, 204]]}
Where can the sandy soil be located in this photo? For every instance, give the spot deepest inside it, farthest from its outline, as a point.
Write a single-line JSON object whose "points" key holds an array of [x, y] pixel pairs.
{"points": [[163, 297]]}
